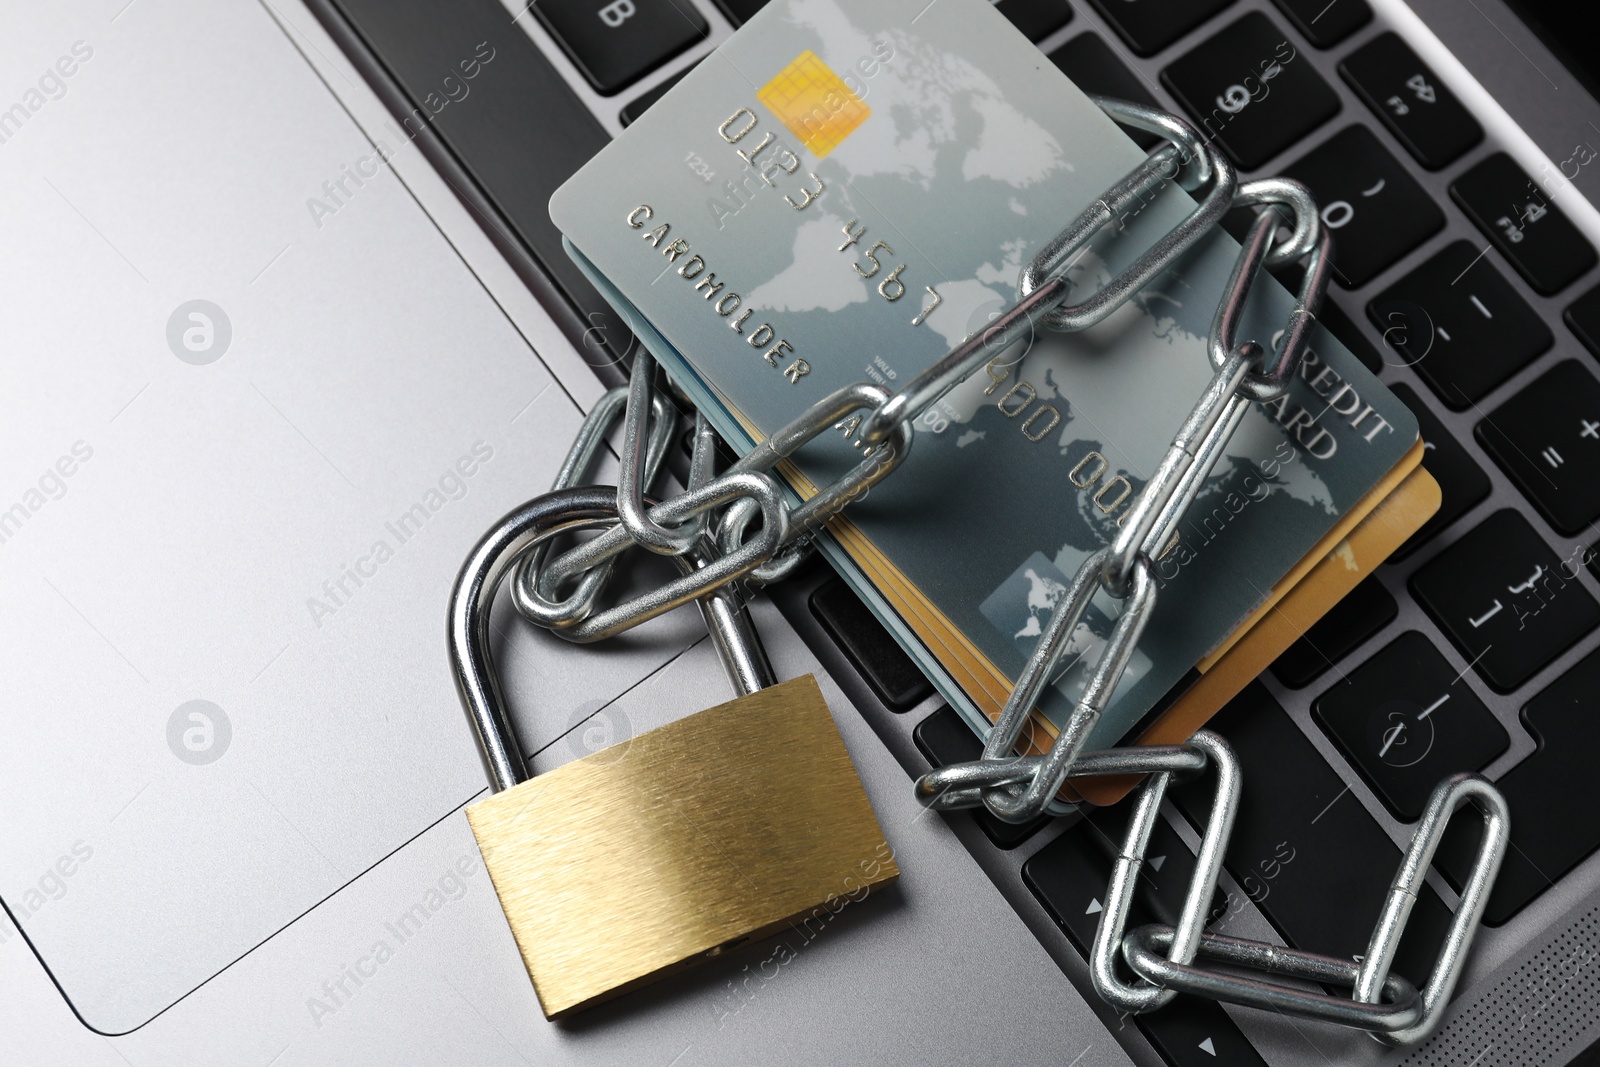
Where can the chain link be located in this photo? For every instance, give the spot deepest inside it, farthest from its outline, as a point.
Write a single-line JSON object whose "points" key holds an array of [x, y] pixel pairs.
{"points": [[759, 536]]}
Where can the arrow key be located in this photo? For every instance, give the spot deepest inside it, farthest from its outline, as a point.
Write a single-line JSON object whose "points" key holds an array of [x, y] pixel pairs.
{"points": [[1191, 1032]]}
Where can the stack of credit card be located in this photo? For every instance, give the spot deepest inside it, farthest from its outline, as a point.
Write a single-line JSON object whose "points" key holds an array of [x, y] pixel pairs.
{"points": [[846, 190]]}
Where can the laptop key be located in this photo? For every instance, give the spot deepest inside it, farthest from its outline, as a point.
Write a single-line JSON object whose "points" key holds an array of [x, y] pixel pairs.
{"points": [[1547, 438], [1554, 820], [616, 44], [1406, 720], [1532, 233], [1375, 211], [1094, 67], [1246, 87], [944, 737], [1303, 848], [1422, 113], [876, 656], [1505, 600], [1364, 611], [1150, 25], [1326, 22], [1583, 319], [1193, 1032], [1036, 18], [1459, 324]]}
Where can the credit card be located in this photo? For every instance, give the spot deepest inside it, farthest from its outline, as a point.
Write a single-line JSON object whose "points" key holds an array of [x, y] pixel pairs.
{"points": [[844, 192]]}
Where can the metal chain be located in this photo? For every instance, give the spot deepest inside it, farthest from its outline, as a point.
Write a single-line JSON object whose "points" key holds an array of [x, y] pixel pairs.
{"points": [[1156, 961]]}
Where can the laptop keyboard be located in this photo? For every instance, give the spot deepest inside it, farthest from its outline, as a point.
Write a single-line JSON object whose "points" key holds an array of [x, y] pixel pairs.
{"points": [[1460, 325], [1507, 602], [1484, 621]]}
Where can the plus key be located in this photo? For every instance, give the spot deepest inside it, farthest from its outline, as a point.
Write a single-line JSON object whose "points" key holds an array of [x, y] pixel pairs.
{"points": [[1547, 438]]}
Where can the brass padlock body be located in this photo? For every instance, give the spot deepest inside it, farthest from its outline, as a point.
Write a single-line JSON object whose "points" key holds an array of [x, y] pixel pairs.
{"points": [[664, 850]]}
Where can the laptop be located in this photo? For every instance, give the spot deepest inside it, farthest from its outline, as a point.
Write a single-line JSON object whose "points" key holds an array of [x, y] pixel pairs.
{"points": [[287, 327]]}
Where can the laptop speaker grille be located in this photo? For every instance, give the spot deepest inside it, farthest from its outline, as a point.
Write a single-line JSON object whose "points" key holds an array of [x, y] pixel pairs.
{"points": [[1540, 1014]]}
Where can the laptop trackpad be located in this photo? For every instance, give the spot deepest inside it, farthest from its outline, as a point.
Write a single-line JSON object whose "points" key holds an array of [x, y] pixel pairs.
{"points": [[258, 411]]}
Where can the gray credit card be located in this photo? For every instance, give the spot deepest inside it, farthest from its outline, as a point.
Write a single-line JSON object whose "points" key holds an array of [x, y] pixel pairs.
{"points": [[844, 191]]}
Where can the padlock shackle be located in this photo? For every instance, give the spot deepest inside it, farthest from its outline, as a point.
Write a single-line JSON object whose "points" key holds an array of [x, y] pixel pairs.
{"points": [[734, 635], [471, 662]]}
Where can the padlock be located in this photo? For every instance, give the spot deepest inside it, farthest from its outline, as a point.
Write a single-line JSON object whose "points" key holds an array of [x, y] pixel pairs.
{"points": [[675, 846]]}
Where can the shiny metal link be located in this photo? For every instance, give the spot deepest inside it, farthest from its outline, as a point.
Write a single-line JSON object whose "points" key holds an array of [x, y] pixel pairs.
{"points": [[1164, 499], [1381, 1002], [645, 532], [1186, 158], [1273, 378], [1122, 200], [580, 459], [808, 519], [877, 460], [731, 534], [674, 512], [1028, 803], [959, 784], [1145, 949], [1306, 219], [1185, 941], [1446, 798], [759, 537]]}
